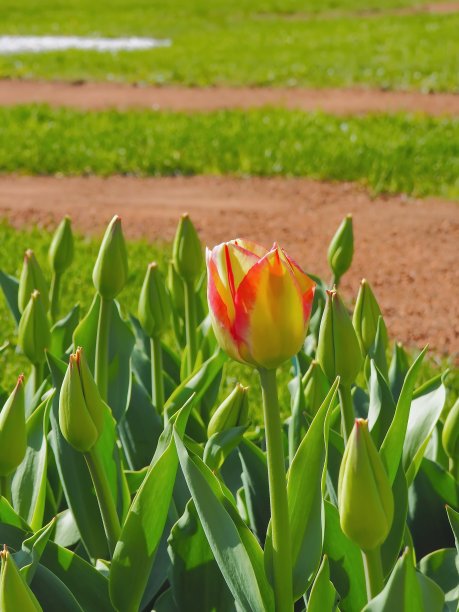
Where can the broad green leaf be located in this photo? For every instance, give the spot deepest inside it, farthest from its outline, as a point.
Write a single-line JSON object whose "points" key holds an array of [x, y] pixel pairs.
{"points": [[425, 411], [323, 595], [390, 549], [453, 518], [142, 530], [398, 370], [32, 549], [346, 565], [256, 487], [10, 288], [62, 332], [221, 444], [28, 487], [52, 593], [442, 566], [235, 548], [66, 533], [9, 516], [165, 603], [195, 576], [392, 447], [298, 408], [382, 407]]}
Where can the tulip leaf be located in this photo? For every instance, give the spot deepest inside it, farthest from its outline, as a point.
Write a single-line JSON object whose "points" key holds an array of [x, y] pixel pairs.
{"points": [[66, 533], [382, 406], [453, 518], [52, 593], [398, 370], [298, 409], [392, 447], [323, 595], [28, 487], [390, 549], [235, 548], [142, 530], [221, 444], [9, 516], [32, 549], [442, 566], [62, 332], [425, 411], [165, 603], [10, 288], [346, 564]]}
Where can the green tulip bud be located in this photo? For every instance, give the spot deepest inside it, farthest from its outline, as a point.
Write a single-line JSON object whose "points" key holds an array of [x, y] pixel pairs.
{"points": [[366, 317], [31, 279], [232, 412], [34, 336], [338, 349], [154, 305], [450, 435], [365, 500], [111, 269], [175, 287], [15, 594], [341, 249], [187, 251], [316, 387], [81, 408], [13, 433], [60, 254]]}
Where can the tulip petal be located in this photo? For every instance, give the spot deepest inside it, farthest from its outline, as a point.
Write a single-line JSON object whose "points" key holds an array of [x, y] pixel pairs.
{"points": [[306, 284]]}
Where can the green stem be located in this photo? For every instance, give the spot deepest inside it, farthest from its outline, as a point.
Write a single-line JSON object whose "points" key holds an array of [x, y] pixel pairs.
{"points": [[374, 577], [54, 296], [37, 376], [190, 324], [103, 333], [454, 467], [104, 497], [347, 411], [157, 381], [282, 556], [5, 488]]}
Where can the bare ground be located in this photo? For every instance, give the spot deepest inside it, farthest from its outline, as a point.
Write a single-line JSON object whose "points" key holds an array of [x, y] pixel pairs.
{"points": [[406, 248], [113, 95]]}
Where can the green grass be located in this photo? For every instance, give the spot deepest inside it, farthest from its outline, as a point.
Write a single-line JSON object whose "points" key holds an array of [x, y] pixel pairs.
{"points": [[244, 43], [391, 153]]}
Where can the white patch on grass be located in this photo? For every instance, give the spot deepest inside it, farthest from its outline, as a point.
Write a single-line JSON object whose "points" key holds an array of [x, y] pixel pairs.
{"points": [[40, 44]]}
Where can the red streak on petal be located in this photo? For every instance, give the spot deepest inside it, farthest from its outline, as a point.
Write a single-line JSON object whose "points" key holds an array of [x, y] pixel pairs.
{"points": [[229, 271]]}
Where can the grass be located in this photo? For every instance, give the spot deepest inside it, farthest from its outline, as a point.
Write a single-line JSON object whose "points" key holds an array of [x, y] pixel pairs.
{"points": [[395, 52], [391, 153]]}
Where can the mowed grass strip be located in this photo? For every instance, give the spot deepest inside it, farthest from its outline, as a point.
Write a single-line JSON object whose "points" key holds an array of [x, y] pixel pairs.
{"points": [[410, 154]]}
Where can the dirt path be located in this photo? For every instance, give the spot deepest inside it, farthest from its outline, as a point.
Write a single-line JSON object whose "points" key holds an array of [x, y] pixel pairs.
{"points": [[407, 248], [111, 95]]}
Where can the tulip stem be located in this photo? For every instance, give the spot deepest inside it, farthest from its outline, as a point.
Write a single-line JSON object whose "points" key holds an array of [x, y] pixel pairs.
{"points": [[347, 410], [54, 296], [5, 489], [374, 576], [157, 380], [103, 334], [282, 559], [105, 499], [190, 324]]}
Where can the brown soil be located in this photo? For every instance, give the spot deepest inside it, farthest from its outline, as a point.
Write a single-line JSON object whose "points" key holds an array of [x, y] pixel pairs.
{"points": [[112, 95], [406, 248]]}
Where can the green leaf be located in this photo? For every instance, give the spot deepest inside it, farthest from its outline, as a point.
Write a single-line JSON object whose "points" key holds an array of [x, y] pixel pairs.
{"points": [[221, 444], [256, 487], [453, 518], [66, 533], [28, 487], [390, 549], [165, 603], [195, 576], [382, 407], [235, 548], [9, 516], [32, 549], [298, 409], [144, 524], [52, 593], [62, 332], [398, 370], [425, 411], [392, 447], [10, 288], [323, 594], [442, 566]]}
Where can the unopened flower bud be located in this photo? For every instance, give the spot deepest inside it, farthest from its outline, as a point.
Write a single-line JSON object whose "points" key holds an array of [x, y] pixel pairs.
{"points": [[187, 251], [338, 349], [13, 433], [154, 305], [60, 254], [111, 269], [232, 412], [366, 317], [34, 336], [365, 500], [316, 387], [81, 408], [31, 279], [341, 249], [175, 287], [450, 435], [15, 594]]}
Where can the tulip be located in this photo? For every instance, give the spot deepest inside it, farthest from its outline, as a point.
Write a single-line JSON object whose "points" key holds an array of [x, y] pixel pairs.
{"points": [[341, 249], [15, 594], [60, 257], [154, 305], [232, 412], [34, 335], [187, 251], [13, 433], [31, 279], [366, 317], [260, 302], [111, 269], [316, 387]]}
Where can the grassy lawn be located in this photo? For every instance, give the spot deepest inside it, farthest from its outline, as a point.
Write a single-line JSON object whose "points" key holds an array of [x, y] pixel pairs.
{"points": [[247, 43], [391, 153]]}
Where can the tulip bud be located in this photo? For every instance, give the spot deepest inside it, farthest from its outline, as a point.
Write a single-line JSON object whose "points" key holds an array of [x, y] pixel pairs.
{"points": [[175, 287], [15, 594], [366, 317], [187, 251], [81, 408], [365, 500], [13, 434], [33, 334], [60, 254], [154, 306], [31, 279], [450, 435], [316, 387], [111, 269], [338, 349], [232, 412], [341, 249]]}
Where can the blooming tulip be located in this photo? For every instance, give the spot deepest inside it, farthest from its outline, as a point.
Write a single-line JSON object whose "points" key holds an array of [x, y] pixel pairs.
{"points": [[260, 302]]}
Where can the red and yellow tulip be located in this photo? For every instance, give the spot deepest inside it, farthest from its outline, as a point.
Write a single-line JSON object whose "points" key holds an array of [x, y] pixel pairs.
{"points": [[260, 302]]}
